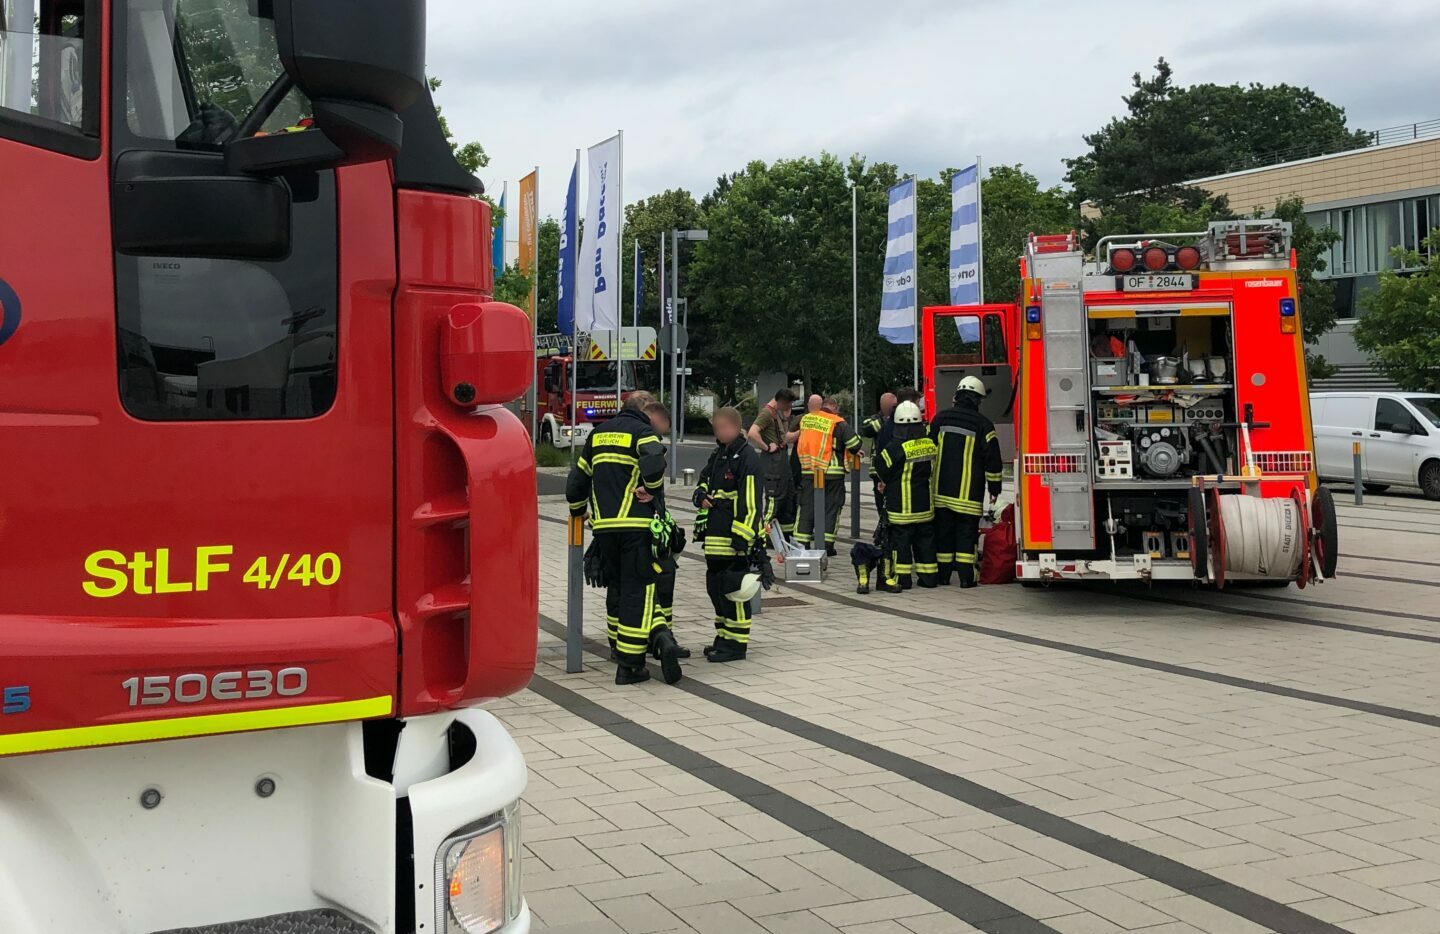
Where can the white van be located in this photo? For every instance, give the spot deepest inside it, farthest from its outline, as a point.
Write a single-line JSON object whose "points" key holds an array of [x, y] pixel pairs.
{"points": [[1399, 435]]}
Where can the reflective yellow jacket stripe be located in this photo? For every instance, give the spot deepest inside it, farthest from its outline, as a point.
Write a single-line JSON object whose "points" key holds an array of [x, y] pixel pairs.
{"points": [[205, 725]]}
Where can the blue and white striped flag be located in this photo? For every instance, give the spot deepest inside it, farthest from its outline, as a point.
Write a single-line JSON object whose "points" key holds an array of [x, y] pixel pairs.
{"points": [[898, 308], [965, 237]]}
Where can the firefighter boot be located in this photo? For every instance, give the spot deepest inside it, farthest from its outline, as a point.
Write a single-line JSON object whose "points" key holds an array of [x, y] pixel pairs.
{"points": [[628, 674], [966, 573], [669, 655], [862, 579], [729, 652]]}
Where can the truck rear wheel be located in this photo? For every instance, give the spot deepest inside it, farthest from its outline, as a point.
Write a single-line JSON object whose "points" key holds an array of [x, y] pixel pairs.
{"points": [[1327, 532], [1199, 534]]}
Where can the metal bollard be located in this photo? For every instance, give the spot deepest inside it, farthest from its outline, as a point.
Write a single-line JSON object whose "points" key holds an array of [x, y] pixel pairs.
{"points": [[575, 604], [689, 475], [1359, 486]]}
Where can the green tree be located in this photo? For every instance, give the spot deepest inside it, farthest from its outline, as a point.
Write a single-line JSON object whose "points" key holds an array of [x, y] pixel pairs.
{"points": [[1401, 326], [513, 286], [1171, 135], [471, 156], [547, 259]]}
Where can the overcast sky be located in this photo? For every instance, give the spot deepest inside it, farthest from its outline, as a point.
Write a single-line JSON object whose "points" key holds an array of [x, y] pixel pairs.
{"points": [[701, 89]]}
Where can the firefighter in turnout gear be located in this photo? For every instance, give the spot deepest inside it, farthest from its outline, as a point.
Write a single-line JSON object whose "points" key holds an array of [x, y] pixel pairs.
{"points": [[905, 467], [876, 429], [825, 441], [730, 500], [619, 481], [967, 465]]}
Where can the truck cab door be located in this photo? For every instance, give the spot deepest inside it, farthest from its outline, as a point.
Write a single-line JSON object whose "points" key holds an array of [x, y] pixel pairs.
{"points": [[196, 400]]}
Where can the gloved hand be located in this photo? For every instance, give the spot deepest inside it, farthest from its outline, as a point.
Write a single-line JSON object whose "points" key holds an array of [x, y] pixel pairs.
{"points": [[595, 571], [677, 539], [698, 498], [760, 561]]}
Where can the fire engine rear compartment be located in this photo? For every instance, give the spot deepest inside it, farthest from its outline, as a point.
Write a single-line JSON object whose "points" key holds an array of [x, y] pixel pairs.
{"points": [[1162, 427], [1164, 411]]}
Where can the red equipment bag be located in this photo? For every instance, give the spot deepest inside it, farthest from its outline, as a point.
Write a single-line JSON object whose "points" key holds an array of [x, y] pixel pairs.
{"points": [[997, 555]]}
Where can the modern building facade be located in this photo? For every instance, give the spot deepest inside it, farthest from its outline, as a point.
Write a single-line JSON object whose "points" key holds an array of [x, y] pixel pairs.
{"points": [[1376, 198]]}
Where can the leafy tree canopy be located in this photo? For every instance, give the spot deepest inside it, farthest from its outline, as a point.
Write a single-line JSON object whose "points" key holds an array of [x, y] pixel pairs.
{"points": [[1401, 327]]}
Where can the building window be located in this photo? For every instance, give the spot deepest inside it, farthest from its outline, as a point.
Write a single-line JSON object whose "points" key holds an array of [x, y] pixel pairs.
{"points": [[1382, 235], [1419, 216]]}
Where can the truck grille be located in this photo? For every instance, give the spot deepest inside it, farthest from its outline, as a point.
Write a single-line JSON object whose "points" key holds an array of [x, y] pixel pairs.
{"points": [[314, 921]]}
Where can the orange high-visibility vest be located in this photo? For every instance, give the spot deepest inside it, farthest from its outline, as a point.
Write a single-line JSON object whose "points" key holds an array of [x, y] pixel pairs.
{"points": [[816, 445]]}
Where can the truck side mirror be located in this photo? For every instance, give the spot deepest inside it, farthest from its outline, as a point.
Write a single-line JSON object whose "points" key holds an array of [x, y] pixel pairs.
{"points": [[360, 62]]}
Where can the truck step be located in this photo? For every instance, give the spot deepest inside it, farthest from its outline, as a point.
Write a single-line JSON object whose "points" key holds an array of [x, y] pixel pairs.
{"points": [[314, 921]]}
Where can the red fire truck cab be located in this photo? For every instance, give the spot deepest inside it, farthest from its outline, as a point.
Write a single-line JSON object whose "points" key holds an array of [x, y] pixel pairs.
{"points": [[1159, 405], [252, 396], [588, 389]]}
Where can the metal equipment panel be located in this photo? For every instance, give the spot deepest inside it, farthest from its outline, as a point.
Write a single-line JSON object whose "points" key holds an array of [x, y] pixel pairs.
{"points": [[1067, 384]]}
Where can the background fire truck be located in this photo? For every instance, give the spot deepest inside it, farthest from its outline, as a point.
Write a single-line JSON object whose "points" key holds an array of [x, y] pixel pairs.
{"points": [[252, 397], [1159, 406], [588, 387]]}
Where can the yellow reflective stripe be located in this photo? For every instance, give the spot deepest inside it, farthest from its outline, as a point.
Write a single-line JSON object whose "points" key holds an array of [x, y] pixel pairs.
{"points": [[967, 473], [619, 522], [585, 466], [624, 460], [750, 501], [647, 439], [204, 725], [989, 436], [627, 499], [741, 529], [994, 477]]}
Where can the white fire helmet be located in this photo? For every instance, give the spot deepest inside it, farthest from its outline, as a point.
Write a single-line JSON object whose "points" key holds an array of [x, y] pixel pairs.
{"points": [[908, 413], [749, 587], [973, 384]]}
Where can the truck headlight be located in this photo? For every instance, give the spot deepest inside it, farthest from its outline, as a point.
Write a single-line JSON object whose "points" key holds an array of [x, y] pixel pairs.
{"points": [[477, 876]]}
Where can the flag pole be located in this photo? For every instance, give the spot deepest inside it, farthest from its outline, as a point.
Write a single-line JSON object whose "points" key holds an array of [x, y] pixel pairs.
{"points": [[915, 307], [575, 323], [619, 277], [980, 228], [535, 309], [660, 287], [855, 348]]}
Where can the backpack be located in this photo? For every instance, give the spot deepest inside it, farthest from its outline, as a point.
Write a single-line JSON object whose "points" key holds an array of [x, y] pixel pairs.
{"points": [[997, 554]]}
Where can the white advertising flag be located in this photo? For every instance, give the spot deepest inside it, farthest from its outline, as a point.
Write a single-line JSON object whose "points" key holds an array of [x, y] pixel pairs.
{"points": [[965, 237], [898, 309], [599, 306]]}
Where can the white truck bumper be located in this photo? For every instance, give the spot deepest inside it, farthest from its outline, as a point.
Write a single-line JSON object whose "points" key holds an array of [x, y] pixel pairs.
{"points": [[566, 436], [151, 837]]}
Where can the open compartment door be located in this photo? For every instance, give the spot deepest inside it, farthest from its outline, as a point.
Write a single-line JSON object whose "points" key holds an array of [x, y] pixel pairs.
{"points": [[972, 340]]}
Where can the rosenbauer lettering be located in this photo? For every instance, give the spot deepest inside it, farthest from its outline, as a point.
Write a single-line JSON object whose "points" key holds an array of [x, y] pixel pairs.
{"points": [[110, 573]]}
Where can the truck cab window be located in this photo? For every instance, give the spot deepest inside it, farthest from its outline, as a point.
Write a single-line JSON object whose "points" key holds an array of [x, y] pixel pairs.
{"points": [[213, 338], [198, 71], [46, 75]]}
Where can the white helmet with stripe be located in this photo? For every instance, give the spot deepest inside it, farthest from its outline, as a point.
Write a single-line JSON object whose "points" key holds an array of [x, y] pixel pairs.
{"points": [[972, 384], [908, 413]]}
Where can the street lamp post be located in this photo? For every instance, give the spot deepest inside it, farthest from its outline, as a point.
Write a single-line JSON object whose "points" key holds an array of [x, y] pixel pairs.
{"points": [[675, 237]]}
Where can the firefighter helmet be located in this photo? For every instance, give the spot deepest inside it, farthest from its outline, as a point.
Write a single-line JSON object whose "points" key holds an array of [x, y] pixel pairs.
{"points": [[908, 413], [972, 384], [749, 587]]}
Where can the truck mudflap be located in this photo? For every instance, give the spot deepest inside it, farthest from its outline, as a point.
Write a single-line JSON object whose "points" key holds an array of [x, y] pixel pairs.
{"points": [[274, 827]]}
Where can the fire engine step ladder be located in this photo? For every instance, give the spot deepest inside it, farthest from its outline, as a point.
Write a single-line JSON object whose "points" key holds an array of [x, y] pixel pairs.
{"points": [[1067, 394]]}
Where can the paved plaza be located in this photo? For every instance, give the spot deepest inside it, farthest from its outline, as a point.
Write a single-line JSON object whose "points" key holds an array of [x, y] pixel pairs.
{"points": [[1079, 760]]}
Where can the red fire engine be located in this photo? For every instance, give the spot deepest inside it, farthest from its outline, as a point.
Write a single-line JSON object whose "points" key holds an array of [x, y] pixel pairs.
{"points": [[1159, 405], [593, 396], [251, 399]]}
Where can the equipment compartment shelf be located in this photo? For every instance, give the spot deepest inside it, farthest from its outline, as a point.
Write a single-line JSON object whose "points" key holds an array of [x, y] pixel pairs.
{"points": [[1177, 484], [1199, 388]]}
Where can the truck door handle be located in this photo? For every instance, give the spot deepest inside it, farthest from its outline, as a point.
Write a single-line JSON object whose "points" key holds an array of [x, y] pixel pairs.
{"points": [[1355, 433], [1374, 434]]}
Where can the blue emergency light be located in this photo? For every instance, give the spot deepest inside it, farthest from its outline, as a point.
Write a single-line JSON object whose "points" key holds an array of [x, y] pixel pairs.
{"points": [[1287, 307], [1032, 314]]}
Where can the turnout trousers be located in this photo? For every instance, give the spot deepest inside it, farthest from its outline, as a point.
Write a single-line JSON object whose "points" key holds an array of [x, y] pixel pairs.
{"points": [[723, 574], [638, 598], [912, 550], [957, 537], [834, 503]]}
